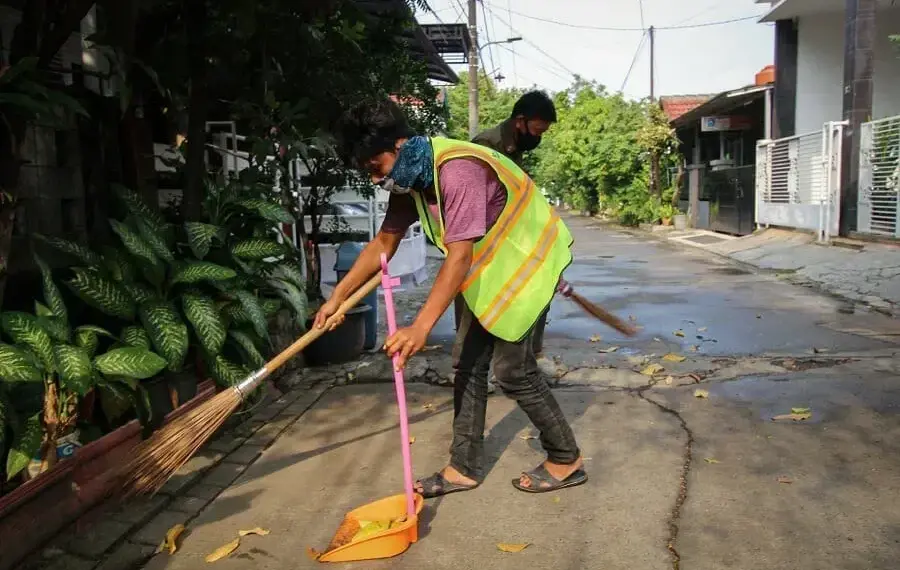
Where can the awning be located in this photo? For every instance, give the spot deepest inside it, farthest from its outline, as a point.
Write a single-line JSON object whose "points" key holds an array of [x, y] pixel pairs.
{"points": [[722, 103], [419, 44], [790, 9]]}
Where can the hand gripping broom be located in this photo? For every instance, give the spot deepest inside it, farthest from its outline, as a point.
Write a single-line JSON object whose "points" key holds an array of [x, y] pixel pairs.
{"points": [[158, 457]]}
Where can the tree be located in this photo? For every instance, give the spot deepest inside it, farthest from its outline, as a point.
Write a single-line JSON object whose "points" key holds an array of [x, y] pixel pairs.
{"points": [[657, 137], [495, 105], [599, 156]]}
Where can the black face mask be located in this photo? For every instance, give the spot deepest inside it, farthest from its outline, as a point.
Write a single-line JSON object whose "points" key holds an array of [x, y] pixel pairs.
{"points": [[527, 141]]}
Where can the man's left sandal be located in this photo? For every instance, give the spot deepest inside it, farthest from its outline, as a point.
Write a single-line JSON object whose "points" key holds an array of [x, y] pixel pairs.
{"points": [[543, 482]]}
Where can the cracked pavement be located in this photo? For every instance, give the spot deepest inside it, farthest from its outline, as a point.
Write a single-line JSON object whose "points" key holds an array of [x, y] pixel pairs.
{"points": [[678, 478]]}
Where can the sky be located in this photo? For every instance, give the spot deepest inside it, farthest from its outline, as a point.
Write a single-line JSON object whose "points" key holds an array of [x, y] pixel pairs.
{"points": [[699, 60]]}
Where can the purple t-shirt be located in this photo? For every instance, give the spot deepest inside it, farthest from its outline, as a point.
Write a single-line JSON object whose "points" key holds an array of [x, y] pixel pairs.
{"points": [[471, 195]]}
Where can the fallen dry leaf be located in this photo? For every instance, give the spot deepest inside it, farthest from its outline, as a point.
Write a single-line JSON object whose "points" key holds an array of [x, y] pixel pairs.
{"points": [[701, 393], [679, 333], [432, 347], [785, 480], [557, 499], [527, 436], [669, 380], [412, 439], [609, 349], [701, 329], [428, 406], [170, 543], [257, 531], [596, 338], [800, 410], [652, 370], [223, 551], [671, 357], [711, 461], [512, 547], [794, 417]]}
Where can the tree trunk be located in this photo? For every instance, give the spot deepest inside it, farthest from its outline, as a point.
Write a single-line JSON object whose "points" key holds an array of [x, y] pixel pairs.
{"points": [[679, 178], [195, 167], [655, 187]]}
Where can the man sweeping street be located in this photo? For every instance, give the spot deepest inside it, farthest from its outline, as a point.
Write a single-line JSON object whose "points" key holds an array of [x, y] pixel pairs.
{"points": [[505, 249], [531, 117]]}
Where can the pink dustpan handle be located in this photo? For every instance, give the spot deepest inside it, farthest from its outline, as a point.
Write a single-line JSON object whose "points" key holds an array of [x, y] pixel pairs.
{"points": [[388, 283]]}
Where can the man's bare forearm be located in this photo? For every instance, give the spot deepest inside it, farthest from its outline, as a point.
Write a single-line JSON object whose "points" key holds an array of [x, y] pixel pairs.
{"points": [[368, 262], [447, 284]]}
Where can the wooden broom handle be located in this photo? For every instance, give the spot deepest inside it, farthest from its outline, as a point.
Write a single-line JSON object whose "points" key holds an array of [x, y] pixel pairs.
{"points": [[314, 333]]}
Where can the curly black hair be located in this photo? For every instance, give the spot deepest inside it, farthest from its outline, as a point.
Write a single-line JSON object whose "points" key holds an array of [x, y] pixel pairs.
{"points": [[535, 105], [370, 128]]}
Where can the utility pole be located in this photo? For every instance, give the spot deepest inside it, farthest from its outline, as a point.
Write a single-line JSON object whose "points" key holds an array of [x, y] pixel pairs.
{"points": [[473, 68], [655, 185], [652, 62]]}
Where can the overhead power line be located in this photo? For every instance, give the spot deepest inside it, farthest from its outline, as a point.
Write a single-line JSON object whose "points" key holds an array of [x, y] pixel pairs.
{"points": [[538, 64], [487, 36], [535, 46], [637, 54], [611, 29]]}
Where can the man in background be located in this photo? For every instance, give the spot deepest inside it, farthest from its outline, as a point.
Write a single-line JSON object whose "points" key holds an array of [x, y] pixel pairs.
{"points": [[531, 117]]}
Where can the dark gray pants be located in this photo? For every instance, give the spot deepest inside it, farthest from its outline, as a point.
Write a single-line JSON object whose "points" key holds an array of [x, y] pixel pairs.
{"points": [[517, 374], [538, 336]]}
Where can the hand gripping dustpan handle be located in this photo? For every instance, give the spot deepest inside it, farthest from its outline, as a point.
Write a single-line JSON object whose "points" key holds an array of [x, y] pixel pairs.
{"points": [[388, 283]]}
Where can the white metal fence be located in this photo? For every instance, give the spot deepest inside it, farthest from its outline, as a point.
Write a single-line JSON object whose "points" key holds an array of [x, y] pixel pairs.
{"points": [[879, 177], [797, 181]]}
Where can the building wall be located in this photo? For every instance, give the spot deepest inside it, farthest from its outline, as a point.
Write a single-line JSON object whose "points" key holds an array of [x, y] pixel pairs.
{"points": [[820, 64]]}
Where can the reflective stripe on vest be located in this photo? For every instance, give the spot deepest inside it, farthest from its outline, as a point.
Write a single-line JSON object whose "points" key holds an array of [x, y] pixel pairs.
{"points": [[517, 265]]}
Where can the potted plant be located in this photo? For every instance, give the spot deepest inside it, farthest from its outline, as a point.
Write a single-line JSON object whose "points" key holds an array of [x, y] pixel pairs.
{"points": [[325, 177], [63, 365], [222, 278], [667, 213]]}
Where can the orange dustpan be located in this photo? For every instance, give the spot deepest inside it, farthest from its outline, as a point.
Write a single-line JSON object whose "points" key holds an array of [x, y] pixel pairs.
{"points": [[396, 518]]}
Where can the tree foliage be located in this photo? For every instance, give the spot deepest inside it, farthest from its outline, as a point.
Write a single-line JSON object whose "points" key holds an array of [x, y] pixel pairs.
{"points": [[494, 106], [597, 157]]}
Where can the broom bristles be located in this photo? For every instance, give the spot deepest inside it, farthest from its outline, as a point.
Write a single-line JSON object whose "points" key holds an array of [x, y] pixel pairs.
{"points": [[602, 314], [158, 457]]}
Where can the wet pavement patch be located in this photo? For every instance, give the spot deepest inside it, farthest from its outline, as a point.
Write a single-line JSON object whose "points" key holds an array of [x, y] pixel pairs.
{"points": [[705, 239], [802, 364], [729, 270]]}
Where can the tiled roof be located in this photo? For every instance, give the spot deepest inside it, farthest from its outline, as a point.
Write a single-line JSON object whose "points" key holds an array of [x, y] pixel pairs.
{"points": [[676, 105]]}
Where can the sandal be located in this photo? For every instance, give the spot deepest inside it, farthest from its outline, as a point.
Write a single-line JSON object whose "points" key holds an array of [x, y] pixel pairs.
{"points": [[543, 482], [437, 485]]}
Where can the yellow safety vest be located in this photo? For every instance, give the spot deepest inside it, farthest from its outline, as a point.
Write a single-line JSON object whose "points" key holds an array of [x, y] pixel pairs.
{"points": [[517, 265]]}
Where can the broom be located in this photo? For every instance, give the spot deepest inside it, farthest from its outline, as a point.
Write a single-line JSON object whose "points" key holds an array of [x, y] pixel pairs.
{"points": [[566, 290], [158, 457]]}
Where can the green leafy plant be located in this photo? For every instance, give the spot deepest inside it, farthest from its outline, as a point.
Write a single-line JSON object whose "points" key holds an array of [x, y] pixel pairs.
{"points": [[62, 364], [183, 288]]}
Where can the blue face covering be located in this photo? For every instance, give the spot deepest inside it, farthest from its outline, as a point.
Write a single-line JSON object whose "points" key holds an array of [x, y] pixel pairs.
{"points": [[414, 168]]}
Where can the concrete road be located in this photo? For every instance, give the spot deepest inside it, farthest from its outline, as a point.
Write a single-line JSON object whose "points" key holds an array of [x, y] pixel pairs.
{"points": [[678, 478]]}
